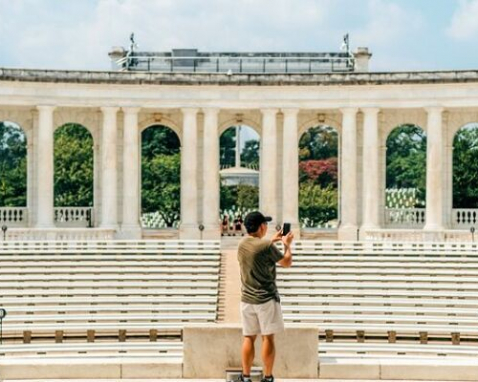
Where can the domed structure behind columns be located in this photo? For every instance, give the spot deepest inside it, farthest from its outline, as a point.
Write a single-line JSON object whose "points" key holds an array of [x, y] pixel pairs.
{"points": [[239, 176]]}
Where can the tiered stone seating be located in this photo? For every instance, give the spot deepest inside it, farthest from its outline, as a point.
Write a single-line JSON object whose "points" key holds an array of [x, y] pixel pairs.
{"points": [[388, 298], [93, 290]]}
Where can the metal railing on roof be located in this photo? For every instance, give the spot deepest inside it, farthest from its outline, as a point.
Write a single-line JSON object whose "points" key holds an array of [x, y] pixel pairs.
{"points": [[238, 64]]}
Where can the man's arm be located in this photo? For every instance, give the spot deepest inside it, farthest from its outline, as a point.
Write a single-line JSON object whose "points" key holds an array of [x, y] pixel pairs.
{"points": [[286, 261]]}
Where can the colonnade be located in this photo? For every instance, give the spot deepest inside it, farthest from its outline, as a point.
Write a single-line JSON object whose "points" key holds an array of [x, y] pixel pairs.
{"points": [[279, 185]]}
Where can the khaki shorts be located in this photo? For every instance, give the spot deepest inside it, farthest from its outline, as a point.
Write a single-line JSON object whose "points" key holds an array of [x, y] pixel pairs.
{"points": [[262, 319]]}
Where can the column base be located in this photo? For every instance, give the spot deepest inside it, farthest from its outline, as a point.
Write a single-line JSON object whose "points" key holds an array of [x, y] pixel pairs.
{"points": [[348, 233], [364, 229], [189, 232]]}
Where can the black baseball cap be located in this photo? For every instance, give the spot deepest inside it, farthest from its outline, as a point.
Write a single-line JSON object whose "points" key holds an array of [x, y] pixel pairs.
{"points": [[253, 221]]}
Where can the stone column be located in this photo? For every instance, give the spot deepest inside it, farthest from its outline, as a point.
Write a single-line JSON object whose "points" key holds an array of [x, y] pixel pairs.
{"points": [[290, 171], [348, 190], [131, 175], [435, 152], [268, 184], [371, 187], [189, 185], [45, 168], [211, 219], [109, 198]]}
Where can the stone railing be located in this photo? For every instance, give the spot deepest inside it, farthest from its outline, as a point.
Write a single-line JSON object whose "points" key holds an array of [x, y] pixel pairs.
{"points": [[65, 234], [404, 217], [14, 216], [74, 216], [464, 218]]}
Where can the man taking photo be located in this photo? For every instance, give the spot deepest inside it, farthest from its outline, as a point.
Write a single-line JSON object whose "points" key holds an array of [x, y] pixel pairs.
{"points": [[260, 301]]}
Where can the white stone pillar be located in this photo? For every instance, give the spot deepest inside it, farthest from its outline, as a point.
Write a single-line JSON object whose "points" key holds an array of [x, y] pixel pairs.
{"points": [[435, 152], [131, 175], [290, 171], [211, 219], [371, 186], [109, 176], [189, 185], [268, 184], [45, 168], [348, 175]]}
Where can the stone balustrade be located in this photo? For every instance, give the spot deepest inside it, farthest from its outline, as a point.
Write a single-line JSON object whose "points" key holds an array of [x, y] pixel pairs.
{"points": [[405, 217], [14, 216], [74, 216], [464, 218]]}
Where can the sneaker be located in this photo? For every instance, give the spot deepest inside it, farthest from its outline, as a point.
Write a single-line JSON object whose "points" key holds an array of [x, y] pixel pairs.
{"points": [[241, 378], [271, 379]]}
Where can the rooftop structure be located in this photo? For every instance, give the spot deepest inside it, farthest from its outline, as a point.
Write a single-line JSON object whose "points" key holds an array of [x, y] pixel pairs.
{"points": [[194, 61]]}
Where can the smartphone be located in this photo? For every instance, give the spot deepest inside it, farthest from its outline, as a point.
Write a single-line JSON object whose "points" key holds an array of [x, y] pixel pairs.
{"points": [[285, 229]]}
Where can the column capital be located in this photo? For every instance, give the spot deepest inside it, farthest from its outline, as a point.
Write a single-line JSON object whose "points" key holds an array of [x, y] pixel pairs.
{"points": [[290, 110], [349, 110], [109, 109], [189, 110], [211, 110], [46, 107], [434, 109], [372, 110], [130, 109], [269, 110]]}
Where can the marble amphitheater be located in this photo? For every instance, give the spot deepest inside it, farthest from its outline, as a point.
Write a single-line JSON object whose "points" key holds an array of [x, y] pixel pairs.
{"points": [[375, 298]]}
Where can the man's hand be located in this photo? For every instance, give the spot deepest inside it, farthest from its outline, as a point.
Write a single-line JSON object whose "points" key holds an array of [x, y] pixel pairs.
{"points": [[287, 239], [277, 236]]}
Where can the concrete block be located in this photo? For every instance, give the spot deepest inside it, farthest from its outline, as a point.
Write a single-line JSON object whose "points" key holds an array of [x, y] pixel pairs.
{"points": [[211, 349]]}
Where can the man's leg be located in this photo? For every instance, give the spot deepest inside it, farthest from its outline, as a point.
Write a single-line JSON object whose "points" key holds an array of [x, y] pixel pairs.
{"points": [[268, 354], [247, 354]]}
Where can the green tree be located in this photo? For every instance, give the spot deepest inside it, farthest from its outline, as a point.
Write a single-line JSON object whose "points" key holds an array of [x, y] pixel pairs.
{"points": [[321, 142], [250, 153], [73, 159], [317, 205], [465, 167], [162, 187], [406, 159], [13, 166]]}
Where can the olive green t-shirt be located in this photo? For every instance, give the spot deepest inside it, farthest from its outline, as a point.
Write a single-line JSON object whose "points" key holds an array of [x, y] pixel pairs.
{"points": [[257, 261]]}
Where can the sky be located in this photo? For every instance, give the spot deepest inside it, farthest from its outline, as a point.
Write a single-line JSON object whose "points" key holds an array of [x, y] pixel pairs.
{"points": [[402, 35]]}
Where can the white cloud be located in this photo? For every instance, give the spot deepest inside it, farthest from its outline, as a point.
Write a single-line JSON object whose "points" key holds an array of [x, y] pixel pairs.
{"points": [[464, 23]]}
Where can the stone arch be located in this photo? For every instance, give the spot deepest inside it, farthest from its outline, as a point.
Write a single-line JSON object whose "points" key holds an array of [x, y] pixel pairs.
{"points": [[314, 122], [223, 126], [319, 178], [164, 121], [161, 180]]}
